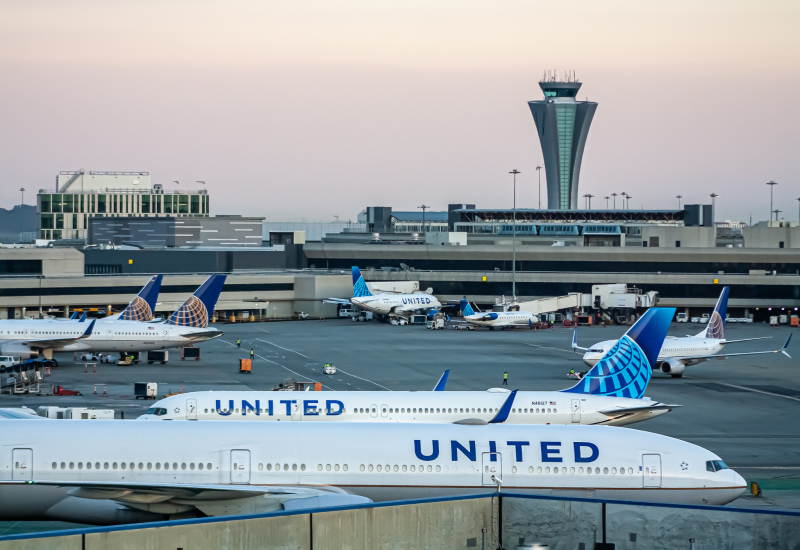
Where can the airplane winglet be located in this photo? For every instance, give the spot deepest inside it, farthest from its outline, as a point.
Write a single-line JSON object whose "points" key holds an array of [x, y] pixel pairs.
{"points": [[786, 345], [575, 346], [505, 410], [83, 317], [74, 315], [442, 381], [88, 331]]}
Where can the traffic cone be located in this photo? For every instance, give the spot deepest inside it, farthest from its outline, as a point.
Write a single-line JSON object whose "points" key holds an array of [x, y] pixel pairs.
{"points": [[95, 389], [104, 390]]}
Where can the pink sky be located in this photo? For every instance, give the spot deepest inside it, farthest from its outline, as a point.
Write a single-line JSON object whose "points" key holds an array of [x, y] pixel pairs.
{"points": [[303, 109]]}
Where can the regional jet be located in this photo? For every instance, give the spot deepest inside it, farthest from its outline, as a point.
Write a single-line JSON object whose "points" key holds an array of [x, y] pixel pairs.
{"points": [[679, 353], [195, 469], [497, 319], [611, 393], [386, 303]]}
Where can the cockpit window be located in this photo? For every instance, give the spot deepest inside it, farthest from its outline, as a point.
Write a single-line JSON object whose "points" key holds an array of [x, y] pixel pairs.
{"points": [[715, 465], [151, 410], [596, 350], [157, 411]]}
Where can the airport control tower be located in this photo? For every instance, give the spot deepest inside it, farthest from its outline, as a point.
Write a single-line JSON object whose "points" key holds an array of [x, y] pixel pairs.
{"points": [[562, 123]]}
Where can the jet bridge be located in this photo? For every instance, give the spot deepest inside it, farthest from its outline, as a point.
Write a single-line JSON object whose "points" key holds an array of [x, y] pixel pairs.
{"points": [[617, 302]]}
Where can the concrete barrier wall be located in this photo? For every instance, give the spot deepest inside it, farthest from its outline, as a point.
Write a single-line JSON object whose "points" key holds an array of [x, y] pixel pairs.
{"points": [[562, 524], [570, 524], [73, 542], [453, 524], [440, 524], [287, 532]]}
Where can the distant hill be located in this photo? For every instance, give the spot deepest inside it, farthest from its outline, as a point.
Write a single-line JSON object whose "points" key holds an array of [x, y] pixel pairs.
{"points": [[20, 219]]}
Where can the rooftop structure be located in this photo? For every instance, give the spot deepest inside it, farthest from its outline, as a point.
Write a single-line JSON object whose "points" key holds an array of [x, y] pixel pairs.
{"points": [[83, 195]]}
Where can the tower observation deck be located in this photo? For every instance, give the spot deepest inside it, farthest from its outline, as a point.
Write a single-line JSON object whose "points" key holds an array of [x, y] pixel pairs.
{"points": [[562, 123]]}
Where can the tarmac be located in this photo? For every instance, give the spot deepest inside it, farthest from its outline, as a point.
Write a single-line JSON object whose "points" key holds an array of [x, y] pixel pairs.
{"points": [[745, 409]]}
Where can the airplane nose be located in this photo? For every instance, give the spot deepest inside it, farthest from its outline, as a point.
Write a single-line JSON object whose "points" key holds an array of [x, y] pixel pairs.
{"points": [[738, 481]]}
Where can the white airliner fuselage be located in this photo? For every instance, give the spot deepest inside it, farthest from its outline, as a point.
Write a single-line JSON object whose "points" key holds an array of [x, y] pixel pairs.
{"points": [[26, 337], [396, 303], [685, 348], [405, 407], [502, 319], [221, 468]]}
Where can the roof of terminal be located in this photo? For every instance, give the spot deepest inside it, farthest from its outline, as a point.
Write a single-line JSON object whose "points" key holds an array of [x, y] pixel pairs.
{"points": [[523, 214], [417, 216]]}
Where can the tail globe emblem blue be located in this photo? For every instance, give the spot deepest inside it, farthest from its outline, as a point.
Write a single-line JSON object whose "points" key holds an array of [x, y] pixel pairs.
{"points": [[626, 369]]}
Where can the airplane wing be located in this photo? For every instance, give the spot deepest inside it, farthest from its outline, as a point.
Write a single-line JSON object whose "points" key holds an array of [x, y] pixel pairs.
{"points": [[745, 340], [54, 343], [643, 408], [212, 500], [336, 301], [694, 360], [205, 335]]}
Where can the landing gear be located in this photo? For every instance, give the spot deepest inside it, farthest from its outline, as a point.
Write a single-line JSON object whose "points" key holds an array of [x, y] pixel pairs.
{"points": [[677, 375]]}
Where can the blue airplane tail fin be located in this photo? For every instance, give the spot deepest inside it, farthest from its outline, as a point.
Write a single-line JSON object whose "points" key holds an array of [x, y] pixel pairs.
{"points": [[716, 324], [466, 309], [198, 309], [359, 286], [143, 305], [626, 369]]}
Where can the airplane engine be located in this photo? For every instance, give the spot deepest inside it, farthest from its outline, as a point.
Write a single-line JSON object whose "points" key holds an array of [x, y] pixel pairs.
{"points": [[18, 350], [493, 316], [673, 367]]}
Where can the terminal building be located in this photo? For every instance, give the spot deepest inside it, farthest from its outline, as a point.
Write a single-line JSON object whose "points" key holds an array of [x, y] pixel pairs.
{"points": [[562, 123], [80, 196]]}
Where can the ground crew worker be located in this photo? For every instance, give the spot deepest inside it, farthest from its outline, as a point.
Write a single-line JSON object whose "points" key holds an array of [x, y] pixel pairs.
{"points": [[238, 343], [252, 354], [505, 378]]}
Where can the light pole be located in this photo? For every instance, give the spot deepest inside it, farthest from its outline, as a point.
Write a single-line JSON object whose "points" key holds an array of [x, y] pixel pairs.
{"points": [[615, 200], [424, 207], [22, 190], [539, 171], [606, 197], [713, 207], [679, 197], [776, 211], [588, 201], [623, 195], [628, 202], [798, 211], [772, 185], [514, 172]]}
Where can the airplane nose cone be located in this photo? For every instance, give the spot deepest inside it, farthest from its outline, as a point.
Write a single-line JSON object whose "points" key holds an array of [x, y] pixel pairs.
{"points": [[738, 481]]}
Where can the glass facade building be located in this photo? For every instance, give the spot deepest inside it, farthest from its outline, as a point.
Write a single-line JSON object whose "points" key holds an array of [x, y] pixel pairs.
{"points": [[562, 123], [65, 214]]}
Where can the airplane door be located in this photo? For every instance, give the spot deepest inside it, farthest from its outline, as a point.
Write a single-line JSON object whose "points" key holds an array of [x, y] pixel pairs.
{"points": [[191, 409], [23, 464], [240, 466], [651, 470], [492, 466], [576, 411], [373, 411], [297, 413], [384, 411]]}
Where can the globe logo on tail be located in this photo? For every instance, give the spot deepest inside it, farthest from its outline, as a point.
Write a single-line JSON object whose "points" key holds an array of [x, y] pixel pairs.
{"points": [[137, 310], [192, 313], [623, 372], [716, 327]]}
